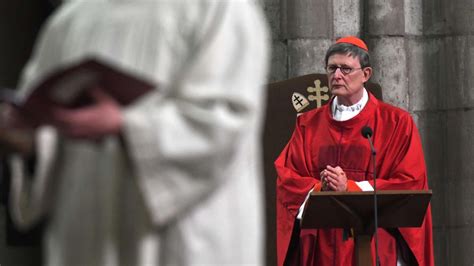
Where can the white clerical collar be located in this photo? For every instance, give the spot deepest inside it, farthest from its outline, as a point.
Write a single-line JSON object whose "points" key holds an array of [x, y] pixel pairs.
{"points": [[341, 112]]}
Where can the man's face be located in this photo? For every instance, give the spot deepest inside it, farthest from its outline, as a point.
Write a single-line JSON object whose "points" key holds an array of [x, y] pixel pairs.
{"points": [[348, 87]]}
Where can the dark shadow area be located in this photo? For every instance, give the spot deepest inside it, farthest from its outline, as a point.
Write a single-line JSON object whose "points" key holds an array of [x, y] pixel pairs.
{"points": [[20, 22]]}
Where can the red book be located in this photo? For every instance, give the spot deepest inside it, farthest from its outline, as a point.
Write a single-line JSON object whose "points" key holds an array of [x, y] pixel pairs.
{"points": [[68, 86]]}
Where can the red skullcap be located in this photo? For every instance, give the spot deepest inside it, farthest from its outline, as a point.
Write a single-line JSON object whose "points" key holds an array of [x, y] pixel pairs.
{"points": [[354, 41]]}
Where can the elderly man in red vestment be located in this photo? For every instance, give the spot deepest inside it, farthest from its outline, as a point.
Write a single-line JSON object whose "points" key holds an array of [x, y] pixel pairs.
{"points": [[328, 152]]}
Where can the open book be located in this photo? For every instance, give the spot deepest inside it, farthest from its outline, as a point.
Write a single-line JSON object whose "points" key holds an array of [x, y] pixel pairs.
{"points": [[68, 86]]}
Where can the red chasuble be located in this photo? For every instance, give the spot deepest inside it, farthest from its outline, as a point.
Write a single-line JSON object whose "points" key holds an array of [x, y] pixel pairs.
{"points": [[318, 141]]}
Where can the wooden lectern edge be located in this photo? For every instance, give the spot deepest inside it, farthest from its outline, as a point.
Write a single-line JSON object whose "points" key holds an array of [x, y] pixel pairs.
{"points": [[358, 221], [386, 192]]}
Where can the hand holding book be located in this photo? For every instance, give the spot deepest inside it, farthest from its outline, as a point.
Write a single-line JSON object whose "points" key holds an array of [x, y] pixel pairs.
{"points": [[67, 86], [82, 100], [100, 118], [16, 134]]}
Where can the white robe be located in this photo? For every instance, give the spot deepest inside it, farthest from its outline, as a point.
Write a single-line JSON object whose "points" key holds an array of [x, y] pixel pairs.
{"points": [[183, 185]]}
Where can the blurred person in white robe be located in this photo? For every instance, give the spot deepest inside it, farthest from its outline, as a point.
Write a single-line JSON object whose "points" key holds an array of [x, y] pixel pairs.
{"points": [[174, 178]]}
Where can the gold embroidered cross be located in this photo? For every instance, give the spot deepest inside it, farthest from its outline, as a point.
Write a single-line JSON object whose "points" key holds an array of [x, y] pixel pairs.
{"points": [[317, 89]]}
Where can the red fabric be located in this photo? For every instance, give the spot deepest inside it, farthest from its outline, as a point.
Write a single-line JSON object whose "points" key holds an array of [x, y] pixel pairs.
{"points": [[352, 186], [354, 41], [317, 141]]}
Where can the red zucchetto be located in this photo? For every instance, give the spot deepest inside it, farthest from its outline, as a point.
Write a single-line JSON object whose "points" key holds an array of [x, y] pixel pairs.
{"points": [[355, 41]]}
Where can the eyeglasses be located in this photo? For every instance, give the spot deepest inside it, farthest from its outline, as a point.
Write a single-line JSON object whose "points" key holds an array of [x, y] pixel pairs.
{"points": [[331, 69]]}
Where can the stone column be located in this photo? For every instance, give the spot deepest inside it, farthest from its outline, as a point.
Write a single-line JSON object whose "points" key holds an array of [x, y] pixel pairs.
{"points": [[278, 63], [448, 27], [311, 26], [387, 39], [423, 58], [404, 63]]}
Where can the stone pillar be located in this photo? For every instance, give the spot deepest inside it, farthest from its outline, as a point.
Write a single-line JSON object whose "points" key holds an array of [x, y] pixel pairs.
{"points": [[449, 56], [278, 64], [387, 45], [405, 63], [423, 58], [311, 26]]}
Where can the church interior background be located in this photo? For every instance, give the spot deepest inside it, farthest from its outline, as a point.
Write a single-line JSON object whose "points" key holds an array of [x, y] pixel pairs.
{"points": [[423, 55]]}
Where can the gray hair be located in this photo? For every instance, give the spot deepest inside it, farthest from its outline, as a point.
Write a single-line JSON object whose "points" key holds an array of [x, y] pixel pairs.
{"points": [[351, 50]]}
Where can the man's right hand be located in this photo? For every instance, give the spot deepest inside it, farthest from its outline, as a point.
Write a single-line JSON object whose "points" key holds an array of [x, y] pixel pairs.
{"points": [[333, 178]]}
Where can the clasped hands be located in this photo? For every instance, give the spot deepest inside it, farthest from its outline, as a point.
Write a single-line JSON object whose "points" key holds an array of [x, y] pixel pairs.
{"points": [[333, 178]]}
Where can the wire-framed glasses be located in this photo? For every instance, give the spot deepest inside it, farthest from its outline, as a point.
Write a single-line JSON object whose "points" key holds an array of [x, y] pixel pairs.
{"points": [[330, 69]]}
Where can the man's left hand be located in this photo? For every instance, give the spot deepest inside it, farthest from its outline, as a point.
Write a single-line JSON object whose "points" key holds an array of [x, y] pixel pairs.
{"points": [[97, 120], [335, 177]]}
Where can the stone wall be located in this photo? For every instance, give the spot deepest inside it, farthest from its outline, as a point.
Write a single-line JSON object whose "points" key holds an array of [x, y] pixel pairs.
{"points": [[423, 56]]}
